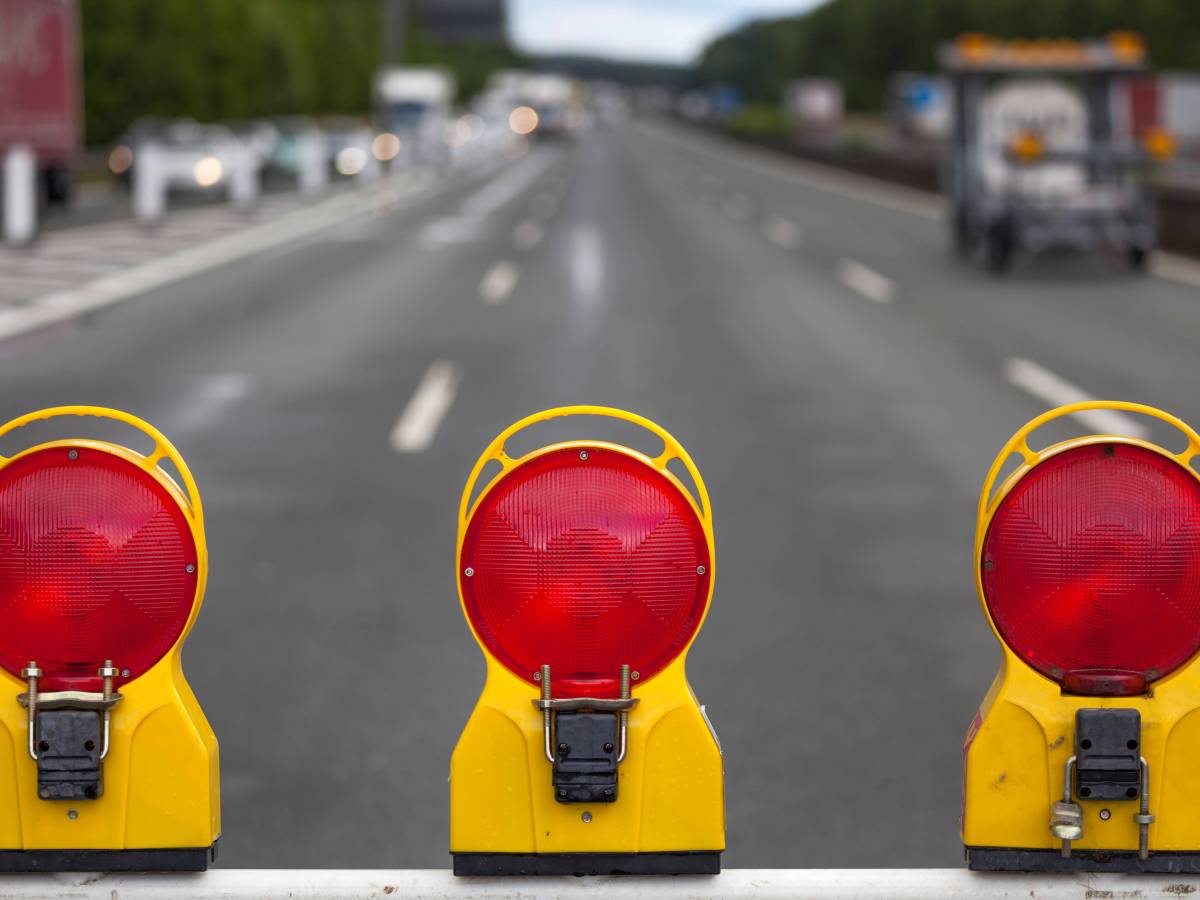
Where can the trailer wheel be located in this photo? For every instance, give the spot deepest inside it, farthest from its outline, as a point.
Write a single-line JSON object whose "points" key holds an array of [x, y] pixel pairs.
{"points": [[56, 185]]}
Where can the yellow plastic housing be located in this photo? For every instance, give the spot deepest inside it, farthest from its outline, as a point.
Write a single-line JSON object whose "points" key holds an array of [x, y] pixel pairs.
{"points": [[1023, 734], [161, 786], [671, 784]]}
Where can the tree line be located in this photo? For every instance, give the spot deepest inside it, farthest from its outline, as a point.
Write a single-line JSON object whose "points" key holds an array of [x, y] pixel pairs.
{"points": [[216, 60], [862, 42]]}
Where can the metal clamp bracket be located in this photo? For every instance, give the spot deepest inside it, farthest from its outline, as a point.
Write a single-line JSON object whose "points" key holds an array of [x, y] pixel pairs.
{"points": [[594, 704], [548, 705], [102, 701], [578, 739], [1066, 816]]}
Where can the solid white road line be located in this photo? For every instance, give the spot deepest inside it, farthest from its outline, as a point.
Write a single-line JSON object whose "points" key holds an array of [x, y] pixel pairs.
{"points": [[468, 224], [416, 427], [866, 281], [505, 188], [1050, 388], [499, 282], [108, 290], [782, 232], [528, 234], [451, 230]]}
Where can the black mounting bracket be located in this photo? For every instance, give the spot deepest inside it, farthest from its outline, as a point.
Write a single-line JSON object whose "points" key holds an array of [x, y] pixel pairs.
{"points": [[68, 754], [1108, 754], [585, 757]]}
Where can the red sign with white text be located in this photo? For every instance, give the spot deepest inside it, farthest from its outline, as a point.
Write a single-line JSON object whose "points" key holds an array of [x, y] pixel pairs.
{"points": [[39, 76]]}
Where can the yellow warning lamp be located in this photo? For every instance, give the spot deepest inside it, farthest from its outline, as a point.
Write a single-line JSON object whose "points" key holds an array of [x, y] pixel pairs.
{"points": [[1159, 144], [1027, 147], [1128, 48], [974, 48], [106, 760], [585, 570], [1082, 756]]}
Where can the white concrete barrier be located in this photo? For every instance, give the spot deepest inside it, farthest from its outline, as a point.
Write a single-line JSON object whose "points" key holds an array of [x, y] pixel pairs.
{"points": [[20, 194], [438, 884]]}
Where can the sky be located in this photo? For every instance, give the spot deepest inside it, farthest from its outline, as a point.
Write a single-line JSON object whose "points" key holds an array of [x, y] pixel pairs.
{"points": [[669, 31]]}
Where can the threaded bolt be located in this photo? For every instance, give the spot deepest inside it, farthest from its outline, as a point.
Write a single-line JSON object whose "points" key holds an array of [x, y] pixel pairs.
{"points": [[547, 696]]}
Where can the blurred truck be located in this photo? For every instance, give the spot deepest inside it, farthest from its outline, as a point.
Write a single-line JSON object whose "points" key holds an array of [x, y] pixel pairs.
{"points": [[1039, 156], [551, 104], [554, 99], [415, 104], [40, 87]]}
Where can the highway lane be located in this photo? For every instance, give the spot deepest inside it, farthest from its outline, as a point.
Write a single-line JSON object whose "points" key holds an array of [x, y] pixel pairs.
{"points": [[841, 382]]}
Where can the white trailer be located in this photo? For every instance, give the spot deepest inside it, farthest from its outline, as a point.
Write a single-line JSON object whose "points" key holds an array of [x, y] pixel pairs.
{"points": [[415, 104]]}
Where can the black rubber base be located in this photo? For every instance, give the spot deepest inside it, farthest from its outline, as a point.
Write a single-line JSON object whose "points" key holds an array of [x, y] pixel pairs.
{"points": [[166, 859], [700, 862], [1007, 859]]}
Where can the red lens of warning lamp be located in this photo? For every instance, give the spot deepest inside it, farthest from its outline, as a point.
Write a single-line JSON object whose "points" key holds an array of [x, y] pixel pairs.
{"points": [[585, 560], [1091, 567], [97, 562]]}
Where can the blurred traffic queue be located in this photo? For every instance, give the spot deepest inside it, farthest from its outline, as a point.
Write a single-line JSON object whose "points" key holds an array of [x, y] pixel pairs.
{"points": [[415, 120]]}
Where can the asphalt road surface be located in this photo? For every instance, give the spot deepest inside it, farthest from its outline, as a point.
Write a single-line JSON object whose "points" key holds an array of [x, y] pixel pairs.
{"points": [[841, 381]]}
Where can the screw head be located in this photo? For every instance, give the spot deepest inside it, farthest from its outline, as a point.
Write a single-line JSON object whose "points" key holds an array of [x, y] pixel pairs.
{"points": [[608, 748], [562, 792], [1105, 815], [72, 454], [563, 749], [537, 676], [700, 570], [583, 454], [469, 572], [634, 676], [72, 814], [189, 568], [124, 673], [608, 792], [587, 817]]}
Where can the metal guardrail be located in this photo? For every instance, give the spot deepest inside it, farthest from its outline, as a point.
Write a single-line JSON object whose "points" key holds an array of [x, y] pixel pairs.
{"points": [[439, 884]]}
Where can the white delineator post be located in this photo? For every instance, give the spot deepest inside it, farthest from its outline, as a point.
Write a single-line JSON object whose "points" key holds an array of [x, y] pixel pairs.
{"points": [[149, 183], [20, 194], [243, 180], [312, 174]]}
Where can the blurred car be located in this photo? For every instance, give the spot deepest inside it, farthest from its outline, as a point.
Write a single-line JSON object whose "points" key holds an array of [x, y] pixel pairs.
{"points": [[199, 157], [259, 136], [195, 157], [287, 153], [346, 144]]}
